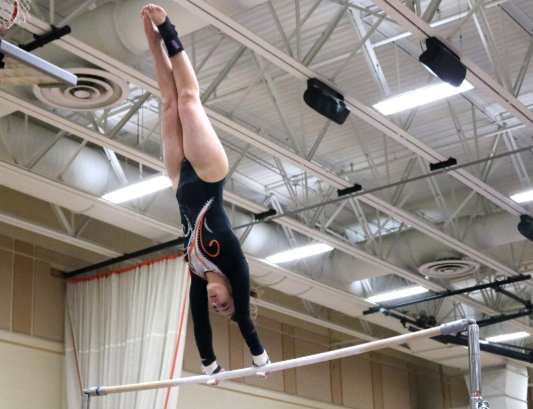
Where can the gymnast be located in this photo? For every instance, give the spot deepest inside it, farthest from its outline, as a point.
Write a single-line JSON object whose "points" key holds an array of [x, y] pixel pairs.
{"points": [[196, 163]]}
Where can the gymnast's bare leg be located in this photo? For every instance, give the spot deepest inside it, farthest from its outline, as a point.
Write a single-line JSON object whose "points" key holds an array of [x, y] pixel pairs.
{"points": [[171, 128], [200, 143]]}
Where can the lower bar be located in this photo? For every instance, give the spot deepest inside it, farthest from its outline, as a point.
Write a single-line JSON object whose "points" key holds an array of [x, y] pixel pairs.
{"points": [[445, 329]]}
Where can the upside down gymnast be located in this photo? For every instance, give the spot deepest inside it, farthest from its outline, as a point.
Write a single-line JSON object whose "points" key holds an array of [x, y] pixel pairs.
{"points": [[196, 163]]}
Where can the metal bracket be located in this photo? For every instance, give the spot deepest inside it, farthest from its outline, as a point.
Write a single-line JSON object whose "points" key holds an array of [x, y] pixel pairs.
{"points": [[444, 164], [86, 401], [349, 190]]}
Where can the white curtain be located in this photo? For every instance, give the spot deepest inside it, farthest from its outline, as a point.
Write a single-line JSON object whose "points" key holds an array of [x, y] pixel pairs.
{"points": [[127, 327]]}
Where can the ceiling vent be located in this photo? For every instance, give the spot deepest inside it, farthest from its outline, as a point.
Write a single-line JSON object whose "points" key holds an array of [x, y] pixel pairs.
{"points": [[449, 268], [96, 89]]}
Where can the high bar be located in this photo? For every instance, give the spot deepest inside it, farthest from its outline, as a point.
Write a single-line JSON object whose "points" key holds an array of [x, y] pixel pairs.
{"points": [[53, 71], [444, 329]]}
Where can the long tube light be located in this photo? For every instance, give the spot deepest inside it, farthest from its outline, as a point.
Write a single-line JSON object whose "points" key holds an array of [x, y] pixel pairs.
{"points": [[420, 97], [300, 252], [392, 295], [143, 188], [523, 197], [508, 337]]}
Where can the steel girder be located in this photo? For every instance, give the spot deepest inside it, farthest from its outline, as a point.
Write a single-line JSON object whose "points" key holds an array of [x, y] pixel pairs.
{"points": [[239, 131], [79, 48], [57, 235], [301, 72], [248, 136]]}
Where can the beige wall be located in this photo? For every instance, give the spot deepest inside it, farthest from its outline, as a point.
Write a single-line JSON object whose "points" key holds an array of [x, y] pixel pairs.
{"points": [[31, 357], [31, 299], [385, 380], [31, 374]]}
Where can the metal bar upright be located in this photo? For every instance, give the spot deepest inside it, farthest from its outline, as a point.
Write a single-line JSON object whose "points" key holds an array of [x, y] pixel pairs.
{"points": [[474, 363]]}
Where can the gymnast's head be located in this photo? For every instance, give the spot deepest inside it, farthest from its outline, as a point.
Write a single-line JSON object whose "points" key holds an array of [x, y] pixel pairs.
{"points": [[220, 296]]}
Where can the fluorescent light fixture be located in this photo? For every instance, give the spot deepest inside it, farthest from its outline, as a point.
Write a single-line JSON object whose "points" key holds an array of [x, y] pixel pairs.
{"points": [[420, 97], [508, 337], [405, 292], [145, 187], [482, 341], [300, 252], [523, 197]]}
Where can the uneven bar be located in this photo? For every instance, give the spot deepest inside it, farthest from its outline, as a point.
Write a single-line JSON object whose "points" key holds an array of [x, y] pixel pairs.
{"points": [[38, 64], [444, 329]]}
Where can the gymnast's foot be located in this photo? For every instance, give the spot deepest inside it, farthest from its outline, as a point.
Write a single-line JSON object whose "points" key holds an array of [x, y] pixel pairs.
{"points": [[151, 31], [156, 14]]}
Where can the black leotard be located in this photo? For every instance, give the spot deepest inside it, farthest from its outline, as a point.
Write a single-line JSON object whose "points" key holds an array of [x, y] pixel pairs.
{"points": [[212, 246]]}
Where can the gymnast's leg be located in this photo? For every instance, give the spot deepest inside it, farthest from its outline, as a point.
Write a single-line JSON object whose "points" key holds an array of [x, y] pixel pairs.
{"points": [[171, 128], [201, 145]]}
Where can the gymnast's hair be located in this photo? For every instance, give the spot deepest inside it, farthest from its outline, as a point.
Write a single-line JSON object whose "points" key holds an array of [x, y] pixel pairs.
{"points": [[255, 293]]}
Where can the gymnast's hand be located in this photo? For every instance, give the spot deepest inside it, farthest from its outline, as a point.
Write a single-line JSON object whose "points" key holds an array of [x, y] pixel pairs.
{"points": [[213, 369], [259, 361], [215, 383]]}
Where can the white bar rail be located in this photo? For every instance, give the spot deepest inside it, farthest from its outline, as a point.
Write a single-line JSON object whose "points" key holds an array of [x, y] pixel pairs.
{"points": [[445, 329]]}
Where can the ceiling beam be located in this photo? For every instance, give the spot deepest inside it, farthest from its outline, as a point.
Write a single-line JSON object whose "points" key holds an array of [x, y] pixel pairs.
{"points": [[95, 248], [221, 122], [326, 324], [313, 169], [274, 55], [286, 222], [11, 175], [56, 235], [238, 32], [480, 79]]}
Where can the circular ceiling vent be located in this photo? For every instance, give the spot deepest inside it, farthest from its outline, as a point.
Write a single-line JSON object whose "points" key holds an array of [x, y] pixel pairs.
{"points": [[96, 89], [449, 269]]}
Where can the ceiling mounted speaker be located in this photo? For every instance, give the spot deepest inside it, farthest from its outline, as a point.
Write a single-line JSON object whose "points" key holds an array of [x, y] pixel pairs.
{"points": [[444, 63], [96, 89], [449, 269], [326, 101], [525, 227]]}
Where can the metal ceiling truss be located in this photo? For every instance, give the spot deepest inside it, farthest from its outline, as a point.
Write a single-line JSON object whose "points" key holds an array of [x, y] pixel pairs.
{"points": [[300, 71], [158, 165], [368, 51], [150, 85], [47, 231], [477, 77], [498, 286]]}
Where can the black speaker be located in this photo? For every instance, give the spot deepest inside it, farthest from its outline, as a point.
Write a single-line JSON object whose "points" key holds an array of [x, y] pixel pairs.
{"points": [[326, 101], [525, 227], [443, 62]]}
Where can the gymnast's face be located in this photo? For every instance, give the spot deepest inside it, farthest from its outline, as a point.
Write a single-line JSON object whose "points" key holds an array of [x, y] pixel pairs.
{"points": [[220, 298]]}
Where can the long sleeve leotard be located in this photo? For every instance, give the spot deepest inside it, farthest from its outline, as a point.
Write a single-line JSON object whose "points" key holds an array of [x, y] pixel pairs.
{"points": [[212, 246]]}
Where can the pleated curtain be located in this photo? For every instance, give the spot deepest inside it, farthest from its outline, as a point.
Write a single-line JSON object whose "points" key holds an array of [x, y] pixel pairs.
{"points": [[127, 326]]}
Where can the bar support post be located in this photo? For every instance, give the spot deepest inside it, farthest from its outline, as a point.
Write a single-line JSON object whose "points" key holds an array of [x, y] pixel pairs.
{"points": [[474, 361]]}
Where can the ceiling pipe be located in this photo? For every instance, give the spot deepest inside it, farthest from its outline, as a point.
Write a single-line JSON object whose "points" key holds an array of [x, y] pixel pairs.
{"points": [[116, 29], [262, 241], [91, 172]]}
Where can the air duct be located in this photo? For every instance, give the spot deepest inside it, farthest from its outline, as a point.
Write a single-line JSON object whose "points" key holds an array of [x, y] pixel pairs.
{"points": [[116, 28], [413, 249], [96, 89], [89, 171], [92, 173], [113, 29]]}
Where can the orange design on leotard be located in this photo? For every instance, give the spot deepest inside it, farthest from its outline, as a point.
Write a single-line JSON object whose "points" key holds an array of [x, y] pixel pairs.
{"points": [[196, 258]]}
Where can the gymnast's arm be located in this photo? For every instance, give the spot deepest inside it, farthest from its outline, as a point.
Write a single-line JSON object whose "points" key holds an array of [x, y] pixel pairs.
{"points": [[200, 318], [240, 284]]}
